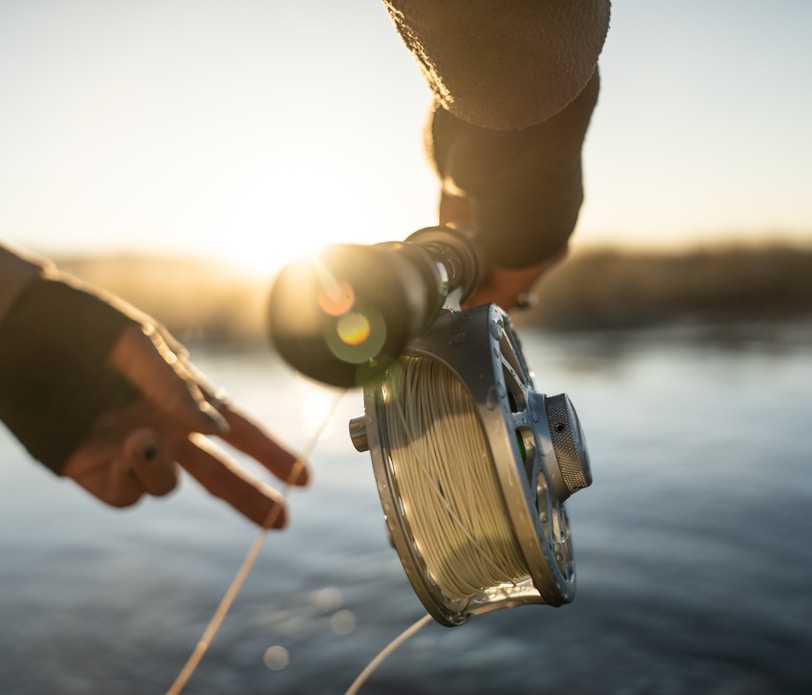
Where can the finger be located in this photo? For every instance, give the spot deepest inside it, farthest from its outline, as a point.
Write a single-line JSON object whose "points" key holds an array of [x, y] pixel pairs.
{"points": [[150, 462], [224, 479], [144, 358], [249, 437], [505, 285], [123, 488], [101, 469]]}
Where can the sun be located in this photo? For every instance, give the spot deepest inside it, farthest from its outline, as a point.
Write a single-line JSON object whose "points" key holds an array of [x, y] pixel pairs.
{"points": [[293, 207]]}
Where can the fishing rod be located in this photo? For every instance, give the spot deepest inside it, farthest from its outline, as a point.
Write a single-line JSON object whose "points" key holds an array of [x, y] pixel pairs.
{"points": [[473, 463]]}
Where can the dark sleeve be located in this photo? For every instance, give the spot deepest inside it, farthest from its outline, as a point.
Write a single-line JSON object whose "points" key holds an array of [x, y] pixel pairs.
{"points": [[525, 185], [54, 378], [504, 65]]}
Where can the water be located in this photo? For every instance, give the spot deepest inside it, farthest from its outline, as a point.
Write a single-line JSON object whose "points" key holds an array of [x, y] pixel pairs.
{"points": [[692, 548]]}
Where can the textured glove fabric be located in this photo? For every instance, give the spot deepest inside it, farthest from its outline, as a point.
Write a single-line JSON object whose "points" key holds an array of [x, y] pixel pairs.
{"points": [[54, 377], [504, 65], [525, 185]]}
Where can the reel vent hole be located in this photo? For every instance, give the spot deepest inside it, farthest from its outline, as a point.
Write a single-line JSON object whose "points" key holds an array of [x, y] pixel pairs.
{"points": [[509, 355], [527, 449], [517, 401]]}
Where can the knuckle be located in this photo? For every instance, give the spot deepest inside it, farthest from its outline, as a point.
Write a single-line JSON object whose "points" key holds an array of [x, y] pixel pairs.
{"points": [[164, 488], [124, 501]]}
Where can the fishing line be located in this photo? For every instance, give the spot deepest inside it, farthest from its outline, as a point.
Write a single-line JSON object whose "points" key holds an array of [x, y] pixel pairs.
{"points": [[447, 487], [454, 511], [385, 652], [446, 481], [247, 564]]}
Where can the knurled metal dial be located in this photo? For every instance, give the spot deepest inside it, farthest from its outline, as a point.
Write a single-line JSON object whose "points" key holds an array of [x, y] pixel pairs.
{"points": [[568, 443]]}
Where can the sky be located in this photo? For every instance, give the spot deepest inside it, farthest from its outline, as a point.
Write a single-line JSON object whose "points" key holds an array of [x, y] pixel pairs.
{"points": [[251, 131]]}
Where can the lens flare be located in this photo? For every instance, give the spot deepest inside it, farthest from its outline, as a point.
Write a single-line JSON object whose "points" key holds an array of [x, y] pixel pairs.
{"points": [[338, 300], [358, 336], [335, 296], [353, 328]]}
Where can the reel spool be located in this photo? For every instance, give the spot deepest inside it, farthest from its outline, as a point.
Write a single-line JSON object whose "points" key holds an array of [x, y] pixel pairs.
{"points": [[473, 464], [532, 457]]}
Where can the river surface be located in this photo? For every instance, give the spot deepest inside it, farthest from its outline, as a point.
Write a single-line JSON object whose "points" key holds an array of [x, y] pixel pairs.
{"points": [[693, 547]]}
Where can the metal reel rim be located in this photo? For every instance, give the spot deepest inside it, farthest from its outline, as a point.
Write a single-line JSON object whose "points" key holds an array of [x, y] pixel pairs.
{"points": [[554, 586]]}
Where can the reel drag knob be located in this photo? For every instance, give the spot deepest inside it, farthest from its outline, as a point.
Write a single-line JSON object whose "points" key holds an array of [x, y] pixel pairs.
{"points": [[570, 471]]}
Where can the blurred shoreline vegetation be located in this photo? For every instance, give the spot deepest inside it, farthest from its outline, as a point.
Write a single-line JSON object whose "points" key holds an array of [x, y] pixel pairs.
{"points": [[607, 288], [202, 301], [198, 300]]}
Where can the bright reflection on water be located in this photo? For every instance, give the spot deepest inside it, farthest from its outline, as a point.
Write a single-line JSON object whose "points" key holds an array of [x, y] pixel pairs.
{"points": [[692, 548]]}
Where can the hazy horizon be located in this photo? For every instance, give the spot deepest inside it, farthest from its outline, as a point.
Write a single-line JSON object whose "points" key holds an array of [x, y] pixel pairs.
{"points": [[202, 299], [251, 131]]}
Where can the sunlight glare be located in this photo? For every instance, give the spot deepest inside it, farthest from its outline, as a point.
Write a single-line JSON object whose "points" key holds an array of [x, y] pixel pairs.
{"points": [[293, 208], [316, 404]]}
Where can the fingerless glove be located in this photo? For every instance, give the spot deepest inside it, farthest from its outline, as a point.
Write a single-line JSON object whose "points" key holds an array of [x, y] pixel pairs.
{"points": [[525, 185], [55, 379]]}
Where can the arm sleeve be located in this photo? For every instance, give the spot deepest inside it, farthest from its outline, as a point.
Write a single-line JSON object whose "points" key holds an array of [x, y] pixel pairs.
{"points": [[504, 65], [16, 272]]}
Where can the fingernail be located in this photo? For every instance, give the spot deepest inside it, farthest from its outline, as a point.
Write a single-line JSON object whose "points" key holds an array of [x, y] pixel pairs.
{"points": [[214, 416]]}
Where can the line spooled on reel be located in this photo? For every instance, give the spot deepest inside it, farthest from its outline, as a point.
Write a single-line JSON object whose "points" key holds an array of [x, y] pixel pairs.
{"points": [[473, 464]]}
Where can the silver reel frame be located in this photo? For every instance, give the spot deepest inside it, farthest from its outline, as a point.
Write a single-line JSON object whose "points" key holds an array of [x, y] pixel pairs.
{"points": [[535, 446]]}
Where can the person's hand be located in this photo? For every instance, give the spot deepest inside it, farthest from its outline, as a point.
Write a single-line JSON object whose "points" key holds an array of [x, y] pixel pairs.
{"points": [[509, 287], [138, 449], [506, 287]]}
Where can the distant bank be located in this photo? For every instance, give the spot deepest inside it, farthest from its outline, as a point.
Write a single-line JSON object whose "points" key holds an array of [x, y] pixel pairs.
{"points": [[618, 289], [594, 289]]}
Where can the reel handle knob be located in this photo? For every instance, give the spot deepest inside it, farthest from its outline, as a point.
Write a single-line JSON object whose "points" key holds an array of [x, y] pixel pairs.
{"points": [[358, 433], [344, 314]]}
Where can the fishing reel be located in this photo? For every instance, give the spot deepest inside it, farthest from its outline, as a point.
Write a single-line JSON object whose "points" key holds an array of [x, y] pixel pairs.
{"points": [[472, 463]]}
